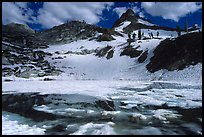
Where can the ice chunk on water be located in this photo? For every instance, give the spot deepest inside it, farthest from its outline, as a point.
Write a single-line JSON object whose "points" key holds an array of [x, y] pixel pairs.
{"points": [[95, 129], [164, 114]]}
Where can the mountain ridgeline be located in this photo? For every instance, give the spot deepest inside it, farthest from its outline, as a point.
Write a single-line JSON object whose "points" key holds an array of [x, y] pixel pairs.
{"points": [[22, 45]]}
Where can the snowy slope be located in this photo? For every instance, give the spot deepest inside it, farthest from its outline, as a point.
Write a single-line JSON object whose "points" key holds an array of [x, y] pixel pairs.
{"points": [[145, 22], [77, 64], [122, 25], [89, 66], [162, 33], [121, 79]]}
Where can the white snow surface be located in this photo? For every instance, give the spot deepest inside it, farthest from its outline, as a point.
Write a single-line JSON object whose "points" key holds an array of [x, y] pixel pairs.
{"points": [[162, 33], [122, 26], [90, 66], [182, 97], [145, 22]]}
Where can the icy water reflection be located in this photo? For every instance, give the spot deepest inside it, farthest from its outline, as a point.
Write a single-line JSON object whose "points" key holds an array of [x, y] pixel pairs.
{"points": [[159, 108]]}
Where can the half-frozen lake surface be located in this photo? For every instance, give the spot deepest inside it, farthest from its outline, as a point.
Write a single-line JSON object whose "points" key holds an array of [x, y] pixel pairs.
{"points": [[101, 107]]}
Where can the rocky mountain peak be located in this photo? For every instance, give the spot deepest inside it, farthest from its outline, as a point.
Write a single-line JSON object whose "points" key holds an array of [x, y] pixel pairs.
{"points": [[130, 21], [129, 15]]}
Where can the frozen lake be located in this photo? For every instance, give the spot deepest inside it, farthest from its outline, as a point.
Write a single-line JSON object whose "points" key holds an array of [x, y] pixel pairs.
{"points": [[101, 107]]}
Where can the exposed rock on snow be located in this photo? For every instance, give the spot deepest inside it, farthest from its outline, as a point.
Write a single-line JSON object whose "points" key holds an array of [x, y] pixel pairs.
{"points": [[143, 57], [105, 37], [130, 51], [177, 54]]}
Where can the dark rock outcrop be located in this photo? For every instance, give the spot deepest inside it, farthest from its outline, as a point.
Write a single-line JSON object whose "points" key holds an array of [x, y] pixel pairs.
{"points": [[105, 104], [104, 51], [143, 57], [177, 54], [105, 37], [131, 52], [110, 54]]}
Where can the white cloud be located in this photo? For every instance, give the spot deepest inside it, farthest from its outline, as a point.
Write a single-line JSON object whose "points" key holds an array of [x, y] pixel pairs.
{"points": [[17, 12], [56, 13], [120, 10], [170, 10], [21, 4], [141, 14]]}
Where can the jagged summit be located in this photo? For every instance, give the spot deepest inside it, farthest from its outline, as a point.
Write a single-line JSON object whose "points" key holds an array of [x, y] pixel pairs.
{"points": [[130, 18], [129, 21], [129, 15]]}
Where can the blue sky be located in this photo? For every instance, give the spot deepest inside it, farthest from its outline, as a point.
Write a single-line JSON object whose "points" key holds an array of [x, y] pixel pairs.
{"points": [[45, 15]]}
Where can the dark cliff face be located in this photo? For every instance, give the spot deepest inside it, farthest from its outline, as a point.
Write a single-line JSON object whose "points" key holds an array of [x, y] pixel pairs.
{"points": [[177, 54]]}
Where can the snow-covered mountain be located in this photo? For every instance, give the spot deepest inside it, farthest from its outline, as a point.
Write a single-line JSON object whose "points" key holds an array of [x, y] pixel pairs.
{"points": [[130, 18], [130, 22], [78, 78], [92, 52]]}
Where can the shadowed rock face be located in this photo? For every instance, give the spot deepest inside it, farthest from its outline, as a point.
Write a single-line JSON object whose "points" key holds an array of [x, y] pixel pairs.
{"points": [[177, 54]]}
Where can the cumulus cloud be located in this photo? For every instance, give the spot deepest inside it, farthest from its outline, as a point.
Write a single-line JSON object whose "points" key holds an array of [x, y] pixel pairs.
{"points": [[22, 4], [56, 13], [17, 12], [12, 12], [170, 10]]}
